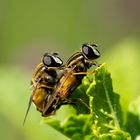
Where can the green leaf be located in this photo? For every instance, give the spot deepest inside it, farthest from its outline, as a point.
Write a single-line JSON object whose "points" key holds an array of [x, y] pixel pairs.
{"points": [[103, 120], [76, 127], [104, 102]]}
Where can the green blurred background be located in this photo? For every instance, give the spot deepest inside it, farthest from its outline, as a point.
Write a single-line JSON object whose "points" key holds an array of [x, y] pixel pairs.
{"points": [[29, 28]]}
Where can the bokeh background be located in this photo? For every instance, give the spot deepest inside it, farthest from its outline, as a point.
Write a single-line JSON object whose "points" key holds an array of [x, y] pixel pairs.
{"points": [[30, 28]]}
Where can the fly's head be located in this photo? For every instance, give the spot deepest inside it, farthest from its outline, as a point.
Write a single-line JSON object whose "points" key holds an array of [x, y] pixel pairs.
{"points": [[90, 54], [51, 60]]}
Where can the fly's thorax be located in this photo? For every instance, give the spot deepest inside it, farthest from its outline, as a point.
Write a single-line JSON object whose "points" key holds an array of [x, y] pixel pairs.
{"points": [[60, 72], [51, 71], [79, 63], [88, 63], [74, 59], [80, 66], [49, 77]]}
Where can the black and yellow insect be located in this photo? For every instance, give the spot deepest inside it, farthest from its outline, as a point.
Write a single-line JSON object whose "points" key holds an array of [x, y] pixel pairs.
{"points": [[73, 73], [44, 78]]}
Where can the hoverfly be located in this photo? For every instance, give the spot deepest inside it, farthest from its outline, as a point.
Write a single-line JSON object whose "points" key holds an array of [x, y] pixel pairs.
{"points": [[73, 73], [44, 78]]}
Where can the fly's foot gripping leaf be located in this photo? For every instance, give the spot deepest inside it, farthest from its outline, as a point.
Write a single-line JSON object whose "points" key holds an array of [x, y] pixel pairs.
{"points": [[103, 120]]}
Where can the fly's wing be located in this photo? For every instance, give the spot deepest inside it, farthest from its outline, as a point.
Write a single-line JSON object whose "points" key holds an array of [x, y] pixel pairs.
{"points": [[37, 74], [58, 87], [37, 69], [28, 108]]}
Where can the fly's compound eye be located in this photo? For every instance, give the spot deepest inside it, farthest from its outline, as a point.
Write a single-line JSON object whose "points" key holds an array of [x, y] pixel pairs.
{"points": [[51, 60], [90, 51]]}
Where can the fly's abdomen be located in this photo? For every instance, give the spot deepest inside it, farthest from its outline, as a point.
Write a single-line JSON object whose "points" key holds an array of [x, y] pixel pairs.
{"points": [[67, 86], [39, 97]]}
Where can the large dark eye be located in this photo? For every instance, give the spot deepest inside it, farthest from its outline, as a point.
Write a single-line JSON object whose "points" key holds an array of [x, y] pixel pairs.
{"points": [[51, 60], [90, 51]]}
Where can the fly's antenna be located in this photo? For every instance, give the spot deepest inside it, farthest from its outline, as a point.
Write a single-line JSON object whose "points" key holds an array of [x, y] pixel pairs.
{"points": [[27, 111]]}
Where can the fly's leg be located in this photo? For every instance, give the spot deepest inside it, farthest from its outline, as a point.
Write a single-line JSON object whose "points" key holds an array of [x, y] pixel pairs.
{"points": [[73, 102], [44, 86], [58, 103], [83, 73], [66, 102], [76, 100], [82, 102], [51, 109], [96, 63]]}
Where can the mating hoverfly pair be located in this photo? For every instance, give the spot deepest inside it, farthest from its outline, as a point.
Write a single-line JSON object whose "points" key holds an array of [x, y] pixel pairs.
{"points": [[53, 83]]}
